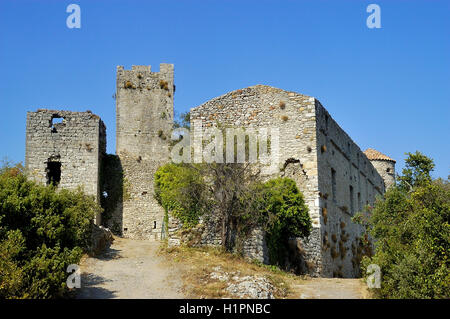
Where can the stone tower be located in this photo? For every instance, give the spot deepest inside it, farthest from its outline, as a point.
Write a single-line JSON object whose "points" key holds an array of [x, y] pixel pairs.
{"points": [[384, 165], [144, 119], [65, 149]]}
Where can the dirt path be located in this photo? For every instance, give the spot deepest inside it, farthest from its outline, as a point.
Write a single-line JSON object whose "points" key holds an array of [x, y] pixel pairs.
{"points": [[132, 269], [331, 288], [129, 269]]}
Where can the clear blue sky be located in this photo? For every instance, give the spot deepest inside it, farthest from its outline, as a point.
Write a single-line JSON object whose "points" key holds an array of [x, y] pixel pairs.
{"points": [[388, 88]]}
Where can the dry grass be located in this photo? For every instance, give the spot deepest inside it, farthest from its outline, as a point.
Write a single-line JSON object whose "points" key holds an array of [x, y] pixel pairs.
{"points": [[164, 85], [128, 85], [198, 264]]}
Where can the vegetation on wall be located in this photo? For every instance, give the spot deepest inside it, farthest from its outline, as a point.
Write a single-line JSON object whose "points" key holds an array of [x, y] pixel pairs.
{"points": [[234, 197], [411, 230], [42, 231], [179, 190]]}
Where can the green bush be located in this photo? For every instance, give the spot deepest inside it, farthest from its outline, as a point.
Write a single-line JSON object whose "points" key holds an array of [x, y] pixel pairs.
{"points": [[286, 216], [179, 190], [42, 231], [411, 230]]}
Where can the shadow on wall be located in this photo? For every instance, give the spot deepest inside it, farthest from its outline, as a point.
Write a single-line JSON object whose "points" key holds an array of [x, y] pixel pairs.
{"points": [[112, 193]]}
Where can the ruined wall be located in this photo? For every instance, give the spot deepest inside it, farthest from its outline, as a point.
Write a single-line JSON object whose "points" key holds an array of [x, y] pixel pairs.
{"points": [[294, 114], [144, 119], [335, 177], [75, 146], [347, 182]]}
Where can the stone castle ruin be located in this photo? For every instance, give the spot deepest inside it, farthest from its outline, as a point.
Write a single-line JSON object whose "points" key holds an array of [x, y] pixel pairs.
{"points": [[336, 178]]}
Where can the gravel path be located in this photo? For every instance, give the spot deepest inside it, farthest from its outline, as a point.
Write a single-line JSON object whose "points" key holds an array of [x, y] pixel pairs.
{"points": [[129, 269]]}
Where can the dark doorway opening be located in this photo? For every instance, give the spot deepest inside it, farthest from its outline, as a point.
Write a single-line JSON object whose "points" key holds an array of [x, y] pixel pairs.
{"points": [[53, 173]]}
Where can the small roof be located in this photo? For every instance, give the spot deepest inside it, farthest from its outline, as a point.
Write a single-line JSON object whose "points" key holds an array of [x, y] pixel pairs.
{"points": [[374, 155]]}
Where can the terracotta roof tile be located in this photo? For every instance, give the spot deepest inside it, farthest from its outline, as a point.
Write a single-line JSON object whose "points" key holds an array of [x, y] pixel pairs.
{"points": [[375, 155]]}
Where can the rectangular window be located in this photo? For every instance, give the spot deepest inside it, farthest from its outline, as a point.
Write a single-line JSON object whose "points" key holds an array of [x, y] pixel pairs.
{"points": [[359, 202], [333, 184], [351, 201]]}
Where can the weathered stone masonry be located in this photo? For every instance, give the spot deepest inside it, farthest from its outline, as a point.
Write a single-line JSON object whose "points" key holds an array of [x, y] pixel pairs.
{"points": [[67, 152], [334, 175], [336, 178], [144, 111]]}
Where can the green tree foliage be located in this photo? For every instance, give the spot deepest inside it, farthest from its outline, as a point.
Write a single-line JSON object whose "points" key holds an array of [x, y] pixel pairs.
{"points": [[412, 234], [179, 190], [42, 231], [416, 172], [285, 214]]}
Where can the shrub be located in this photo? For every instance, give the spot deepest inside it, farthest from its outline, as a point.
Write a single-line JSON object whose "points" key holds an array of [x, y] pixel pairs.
{"points": [[179, 190], [164, 85], [286, 216], [128, 85], [42, 231]]}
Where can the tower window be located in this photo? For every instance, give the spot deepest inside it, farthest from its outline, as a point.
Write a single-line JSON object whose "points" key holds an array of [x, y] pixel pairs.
{"points": [[53, 173], [388, 169], [154, 224]]}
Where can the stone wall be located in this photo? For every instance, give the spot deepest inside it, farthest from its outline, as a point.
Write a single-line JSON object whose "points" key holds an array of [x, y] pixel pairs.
{"points": [[347, 182], [207, 233], [293, 114], [75, 144], [331, 171], [144, 111]]}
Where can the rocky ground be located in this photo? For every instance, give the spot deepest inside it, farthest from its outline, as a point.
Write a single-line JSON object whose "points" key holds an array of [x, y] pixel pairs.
{"points": [[253, 287]]}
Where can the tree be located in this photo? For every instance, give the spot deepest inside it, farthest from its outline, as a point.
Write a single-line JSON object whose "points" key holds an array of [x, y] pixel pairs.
{"points": [[417, 171], [411, 230], [232, 189]]}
